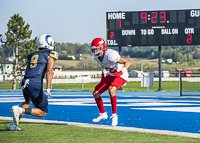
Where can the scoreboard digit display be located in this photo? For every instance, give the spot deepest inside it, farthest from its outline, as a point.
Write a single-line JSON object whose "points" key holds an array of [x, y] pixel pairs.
{"points": [[153, 28]]}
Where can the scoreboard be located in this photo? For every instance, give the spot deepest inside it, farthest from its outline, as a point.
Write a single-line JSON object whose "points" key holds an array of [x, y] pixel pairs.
{"points": [[153, 28]]}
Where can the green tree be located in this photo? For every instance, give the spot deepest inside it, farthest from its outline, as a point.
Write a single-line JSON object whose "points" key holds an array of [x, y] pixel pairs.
{"points": [[16, 36], [180, 58], [82, 48], [70, 52], [63, 55], [189, 57], [88, 62], [29, 47]]}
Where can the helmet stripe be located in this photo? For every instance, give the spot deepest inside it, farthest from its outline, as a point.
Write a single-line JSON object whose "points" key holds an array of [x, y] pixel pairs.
{"points": [[46, 39]]}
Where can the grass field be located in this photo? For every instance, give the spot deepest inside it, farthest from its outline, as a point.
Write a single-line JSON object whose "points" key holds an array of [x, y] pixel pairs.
{"points": [[131, 86], [59, 133], [136, 86], [67, 63]]}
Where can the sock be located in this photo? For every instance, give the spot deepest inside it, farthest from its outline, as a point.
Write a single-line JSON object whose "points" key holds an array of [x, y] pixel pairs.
{"points": [[99, 103], [20, 110], [114, 104]]}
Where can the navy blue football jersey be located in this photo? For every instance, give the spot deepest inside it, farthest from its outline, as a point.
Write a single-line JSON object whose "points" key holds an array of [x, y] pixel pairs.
{"points": [[37, 64]]}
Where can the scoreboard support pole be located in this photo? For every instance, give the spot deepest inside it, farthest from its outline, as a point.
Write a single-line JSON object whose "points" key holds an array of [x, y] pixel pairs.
{"points": [[120, 53], [160, 68]]}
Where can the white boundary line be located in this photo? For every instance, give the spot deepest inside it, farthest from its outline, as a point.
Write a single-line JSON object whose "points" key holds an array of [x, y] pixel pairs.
{"points": [[165, 132]]}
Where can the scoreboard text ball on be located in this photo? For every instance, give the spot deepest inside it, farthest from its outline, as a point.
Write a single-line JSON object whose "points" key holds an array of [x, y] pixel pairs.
{"points": [[153, 28]]}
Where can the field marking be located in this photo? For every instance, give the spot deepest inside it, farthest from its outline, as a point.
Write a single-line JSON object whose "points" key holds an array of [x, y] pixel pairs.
{"points": [[120, 128], [21, 95], [12, 95], [120, 102], [89, 101], [176, 109]]}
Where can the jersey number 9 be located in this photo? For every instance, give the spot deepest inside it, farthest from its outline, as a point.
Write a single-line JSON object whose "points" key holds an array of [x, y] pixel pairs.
{"points": [[34, 61]]}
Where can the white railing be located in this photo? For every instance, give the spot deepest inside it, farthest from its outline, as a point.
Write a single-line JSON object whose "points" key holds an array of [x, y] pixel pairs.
{"points": [[74, 80], [94, 80]]}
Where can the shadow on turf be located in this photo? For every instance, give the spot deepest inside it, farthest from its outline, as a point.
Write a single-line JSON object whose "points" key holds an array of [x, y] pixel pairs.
{"points": [[3, 130], [5, 127], [5, 122]]}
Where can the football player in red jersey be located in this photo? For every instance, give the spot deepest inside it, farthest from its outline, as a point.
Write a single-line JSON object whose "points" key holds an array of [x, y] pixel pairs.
{"points": [[117, 66]]}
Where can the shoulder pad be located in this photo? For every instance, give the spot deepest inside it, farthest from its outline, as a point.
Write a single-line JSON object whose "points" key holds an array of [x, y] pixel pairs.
{"points": [[54, 55], [113, 56]]}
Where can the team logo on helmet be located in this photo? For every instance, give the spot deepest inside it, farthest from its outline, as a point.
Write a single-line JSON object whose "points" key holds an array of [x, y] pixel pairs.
{"points": [[101, 42]]}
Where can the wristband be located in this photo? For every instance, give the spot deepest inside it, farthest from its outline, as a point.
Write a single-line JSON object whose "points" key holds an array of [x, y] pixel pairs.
{"points": [[124, 70]]}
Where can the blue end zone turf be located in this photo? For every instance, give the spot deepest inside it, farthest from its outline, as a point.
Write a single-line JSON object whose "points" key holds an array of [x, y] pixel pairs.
{"points": [[179, 114]]}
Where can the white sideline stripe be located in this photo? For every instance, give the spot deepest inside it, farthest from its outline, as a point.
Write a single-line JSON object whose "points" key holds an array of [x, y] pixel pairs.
{"points": [[90, 95], [56, 95], [11, 95], [166, 132], [106, 99], [119, 104], [158, 104], [6, 101], [177, 109], [91, 102]]}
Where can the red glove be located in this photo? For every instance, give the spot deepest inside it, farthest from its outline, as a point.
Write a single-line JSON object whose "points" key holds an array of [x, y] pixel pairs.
{"points": [[118, 74]]}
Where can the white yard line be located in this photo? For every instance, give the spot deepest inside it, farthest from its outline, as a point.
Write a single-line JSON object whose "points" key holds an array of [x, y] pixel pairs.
{"points": [[176, 109], [166, 132]]}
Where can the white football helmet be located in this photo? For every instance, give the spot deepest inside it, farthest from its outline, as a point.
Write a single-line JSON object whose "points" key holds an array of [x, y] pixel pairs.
{"points": [[46, 41]]}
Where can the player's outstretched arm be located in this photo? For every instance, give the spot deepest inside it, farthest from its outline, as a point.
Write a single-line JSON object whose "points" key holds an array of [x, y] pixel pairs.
{"points": [[125, 62], [49, 74], [50, 65]]}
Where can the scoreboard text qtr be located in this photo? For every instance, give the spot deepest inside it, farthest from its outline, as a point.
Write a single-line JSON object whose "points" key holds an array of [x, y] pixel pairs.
{"points": [[153, 28]]}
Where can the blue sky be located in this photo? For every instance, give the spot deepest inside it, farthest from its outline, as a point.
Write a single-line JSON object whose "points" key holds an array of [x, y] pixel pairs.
{"points": [[78, 21]]}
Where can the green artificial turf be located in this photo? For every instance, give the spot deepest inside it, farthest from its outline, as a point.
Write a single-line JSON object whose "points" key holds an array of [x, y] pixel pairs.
{"points": [[57, 133]]}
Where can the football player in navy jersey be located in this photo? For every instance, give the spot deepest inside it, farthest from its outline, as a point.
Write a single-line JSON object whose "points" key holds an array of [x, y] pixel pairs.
{"points": [[40, 62]]}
